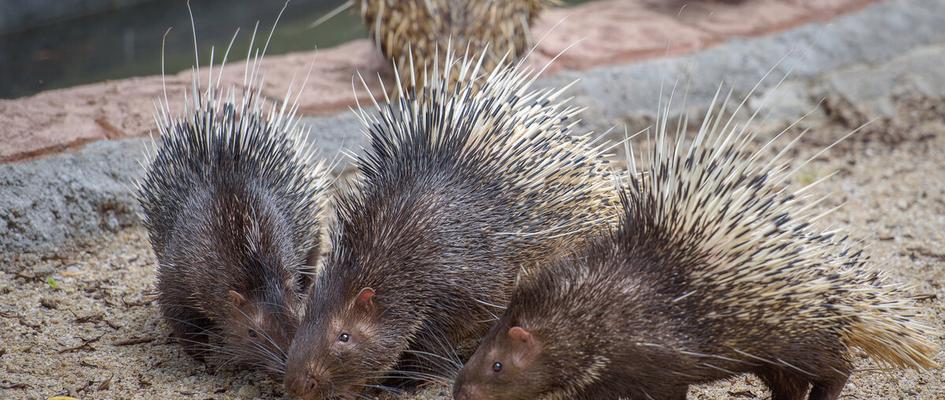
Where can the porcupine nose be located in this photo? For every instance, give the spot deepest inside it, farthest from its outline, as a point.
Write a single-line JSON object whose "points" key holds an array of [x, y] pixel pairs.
{"points": [[301, 385]]}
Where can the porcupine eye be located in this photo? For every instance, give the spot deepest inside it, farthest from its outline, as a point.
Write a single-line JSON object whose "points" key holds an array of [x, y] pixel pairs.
{"points": [[497, 367], [252, 333], [344, 338]]}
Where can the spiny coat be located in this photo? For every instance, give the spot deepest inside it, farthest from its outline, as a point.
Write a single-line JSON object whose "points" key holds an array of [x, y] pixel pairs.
{"points": [[460, 191], [232, 202], [716, 269]]}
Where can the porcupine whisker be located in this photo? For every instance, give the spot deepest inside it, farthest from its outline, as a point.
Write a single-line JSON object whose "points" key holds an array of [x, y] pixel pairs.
{"points": [[207, 348], [385, 388], [413, 375], [443, 342], [433, 356], [264, 335], [267, 352], [451, 352], [416, 371], [192, 324]]}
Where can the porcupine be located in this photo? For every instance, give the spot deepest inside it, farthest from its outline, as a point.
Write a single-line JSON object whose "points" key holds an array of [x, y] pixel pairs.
{"points": [[413, 33], [232, 201], [461, 190], [715, 269]]}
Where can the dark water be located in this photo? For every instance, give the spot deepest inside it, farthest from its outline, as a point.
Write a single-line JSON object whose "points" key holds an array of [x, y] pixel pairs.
{"points": [[127, 42]]}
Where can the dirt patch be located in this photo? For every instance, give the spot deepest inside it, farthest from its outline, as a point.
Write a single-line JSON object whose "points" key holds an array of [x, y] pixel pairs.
{"points": [[85, 323]]}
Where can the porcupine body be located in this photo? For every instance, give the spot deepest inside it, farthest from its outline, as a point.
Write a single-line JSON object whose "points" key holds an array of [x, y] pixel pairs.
{"points": [[716, 269], [232, 202], [413, 33], [460, 191]]}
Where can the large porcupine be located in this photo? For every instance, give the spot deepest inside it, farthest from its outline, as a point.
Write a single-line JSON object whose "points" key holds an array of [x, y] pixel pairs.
{"points": [[414, 32], [232, 202], [715, 270], [461, 190]]}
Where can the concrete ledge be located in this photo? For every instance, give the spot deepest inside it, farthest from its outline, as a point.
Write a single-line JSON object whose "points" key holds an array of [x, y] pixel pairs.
{"points": [[74, 197]]}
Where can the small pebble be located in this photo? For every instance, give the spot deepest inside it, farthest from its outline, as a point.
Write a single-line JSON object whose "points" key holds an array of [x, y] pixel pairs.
{"points": [[49, 302], [72, 269]]}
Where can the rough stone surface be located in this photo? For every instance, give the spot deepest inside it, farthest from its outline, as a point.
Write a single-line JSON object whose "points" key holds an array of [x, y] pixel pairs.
{"points": [[873, 36], [873, 91], [68, 197]]}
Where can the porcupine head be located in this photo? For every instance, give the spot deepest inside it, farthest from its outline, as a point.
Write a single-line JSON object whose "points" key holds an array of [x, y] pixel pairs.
{"points": [[515, 360], [360, 329], [505, 367], [335, 357]]}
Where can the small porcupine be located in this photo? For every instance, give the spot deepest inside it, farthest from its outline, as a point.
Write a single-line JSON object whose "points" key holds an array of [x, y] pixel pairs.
{"points": [[715, 270], [413, 33], [232, 202], [460, 190]]}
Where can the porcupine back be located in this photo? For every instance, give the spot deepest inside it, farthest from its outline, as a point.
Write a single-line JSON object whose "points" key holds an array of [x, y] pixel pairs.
{"points": [[508, 142], [223, 139], [765, 259], [414, 33]]}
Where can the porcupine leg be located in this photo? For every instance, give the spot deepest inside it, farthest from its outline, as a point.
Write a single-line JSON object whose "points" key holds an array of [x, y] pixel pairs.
{"points": [[829, 390], [784, 385]]}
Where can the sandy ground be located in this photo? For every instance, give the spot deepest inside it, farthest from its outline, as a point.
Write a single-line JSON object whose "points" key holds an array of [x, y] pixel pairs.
{"points": [[85, 323]]}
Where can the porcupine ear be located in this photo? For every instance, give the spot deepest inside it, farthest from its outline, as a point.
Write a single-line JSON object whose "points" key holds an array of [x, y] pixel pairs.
{"points": [[525, 343], [236, 298], [365, 298], [520, 335]]}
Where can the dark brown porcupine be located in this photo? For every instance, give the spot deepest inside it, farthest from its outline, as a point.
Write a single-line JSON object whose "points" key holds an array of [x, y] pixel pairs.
{"points": [[715, 270], [232, 203], [413, 33], [460, 191]]}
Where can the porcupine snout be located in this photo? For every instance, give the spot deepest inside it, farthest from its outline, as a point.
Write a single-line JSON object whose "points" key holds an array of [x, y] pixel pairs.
{"points": [[463, 391], [306, 382]]}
